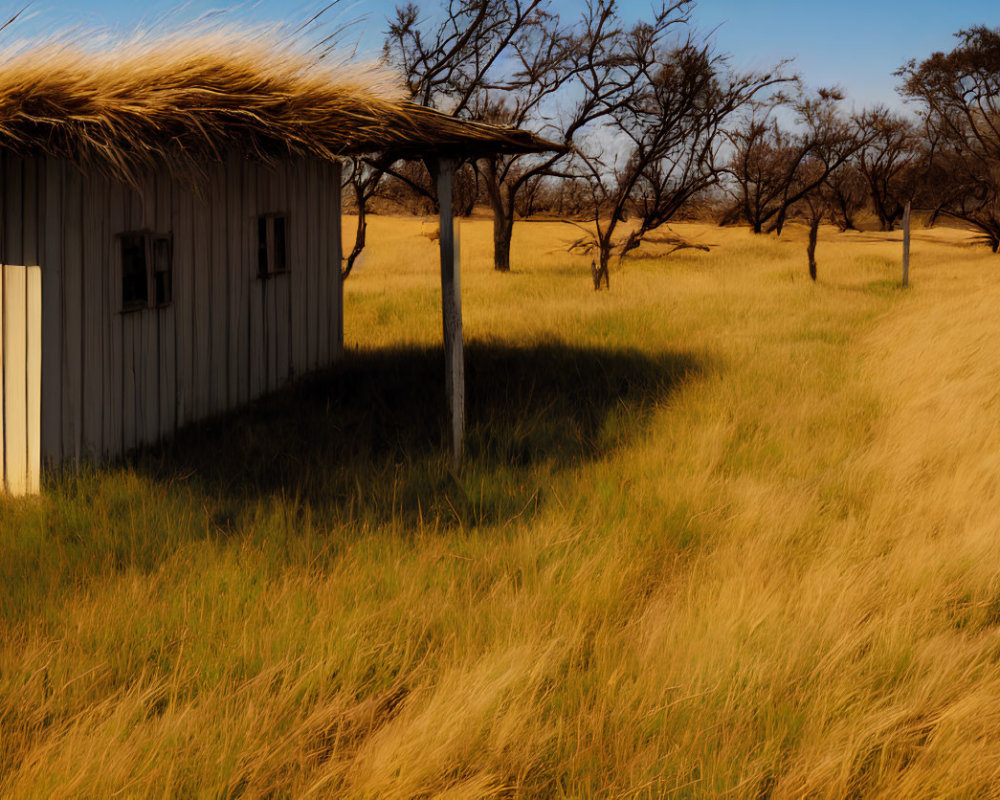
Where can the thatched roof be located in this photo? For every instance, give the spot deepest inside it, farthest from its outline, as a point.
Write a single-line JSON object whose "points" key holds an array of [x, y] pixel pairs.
{"points": [[122, 105]]}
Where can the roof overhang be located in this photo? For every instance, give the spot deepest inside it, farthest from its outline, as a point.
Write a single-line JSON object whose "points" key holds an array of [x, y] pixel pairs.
{"points": [[191, 100]]}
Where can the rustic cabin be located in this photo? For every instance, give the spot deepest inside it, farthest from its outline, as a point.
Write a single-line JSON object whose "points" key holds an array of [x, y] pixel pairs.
{"points": [[170, 231]]}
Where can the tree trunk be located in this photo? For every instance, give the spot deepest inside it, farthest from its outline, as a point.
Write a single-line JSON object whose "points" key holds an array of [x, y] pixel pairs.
{"points": [[502, 202], [359, 238], [845, 214], [884, 223], [599, 271], [811, 249], [503, 231], [779, 223]]}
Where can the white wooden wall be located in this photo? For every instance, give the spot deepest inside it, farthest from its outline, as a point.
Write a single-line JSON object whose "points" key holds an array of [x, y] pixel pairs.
{"points": [[113, 381]]}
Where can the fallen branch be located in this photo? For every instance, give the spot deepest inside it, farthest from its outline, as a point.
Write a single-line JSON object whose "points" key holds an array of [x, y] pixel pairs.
{"points": [[586, 245]]}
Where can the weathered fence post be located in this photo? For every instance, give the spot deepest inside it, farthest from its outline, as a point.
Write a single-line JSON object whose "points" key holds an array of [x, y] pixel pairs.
{"points": [[906, 245]]}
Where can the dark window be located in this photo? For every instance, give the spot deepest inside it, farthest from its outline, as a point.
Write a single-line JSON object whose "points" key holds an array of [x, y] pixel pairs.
{"points": [[146, 265], [135, 287], [272, 257]]}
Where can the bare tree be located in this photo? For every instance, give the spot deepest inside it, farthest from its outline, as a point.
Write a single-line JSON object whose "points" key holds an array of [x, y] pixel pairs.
{"points": [[847, 195], [773, 169], [662, 137], [886, 161], [447, 63], [552, 61], [960, 97], [763, 164], [459, 61], [523, 68], [823, 201], [363, 181], [542, 56]]}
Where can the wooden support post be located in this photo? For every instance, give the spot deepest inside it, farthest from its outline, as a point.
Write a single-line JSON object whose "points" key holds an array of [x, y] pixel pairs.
{"points": [[906, 245], [451, 307]]}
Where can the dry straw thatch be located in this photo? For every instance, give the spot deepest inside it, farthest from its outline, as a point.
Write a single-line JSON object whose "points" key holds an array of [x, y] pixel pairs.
{"points": [[120, 105]]}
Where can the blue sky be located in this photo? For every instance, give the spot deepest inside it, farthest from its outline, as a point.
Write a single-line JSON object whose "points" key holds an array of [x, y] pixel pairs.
{"points": [[856, 44]]}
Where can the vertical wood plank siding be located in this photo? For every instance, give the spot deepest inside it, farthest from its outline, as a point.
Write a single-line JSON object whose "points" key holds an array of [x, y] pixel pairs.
{"points": [[254, 187], [278, 311], [322, 266], [146, 354], [217, 318], [201, 347], [166, 223], [334, 283], [93, 317], [298, 278], [52, 317], [72, 314], [185, 323], [310, 208], [238, 229], [115, 201], [112, 381]]}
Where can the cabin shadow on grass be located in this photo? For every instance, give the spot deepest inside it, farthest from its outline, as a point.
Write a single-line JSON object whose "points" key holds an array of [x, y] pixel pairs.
{"points": [[367, 440]]}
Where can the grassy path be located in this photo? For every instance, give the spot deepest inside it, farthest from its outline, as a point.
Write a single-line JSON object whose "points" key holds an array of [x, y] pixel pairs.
{"points": [[721, 533]]}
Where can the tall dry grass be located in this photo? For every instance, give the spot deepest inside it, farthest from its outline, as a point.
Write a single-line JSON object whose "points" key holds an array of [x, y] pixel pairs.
{"points": [[721, 532]]}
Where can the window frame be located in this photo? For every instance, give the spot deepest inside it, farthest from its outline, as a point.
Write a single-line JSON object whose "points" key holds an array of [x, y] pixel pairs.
{"points": [[151, 244], [267, 260]]}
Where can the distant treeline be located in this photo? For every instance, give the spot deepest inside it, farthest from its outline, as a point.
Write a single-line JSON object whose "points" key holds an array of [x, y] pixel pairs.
{"points": [[656, 124]]}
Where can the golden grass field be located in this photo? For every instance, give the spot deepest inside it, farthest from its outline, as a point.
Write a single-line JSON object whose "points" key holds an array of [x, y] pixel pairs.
{"points": [[721, 532]]}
